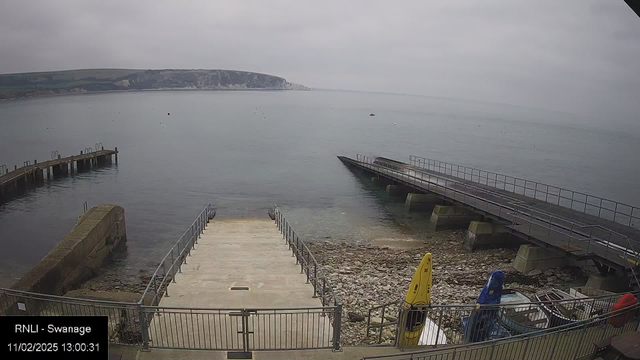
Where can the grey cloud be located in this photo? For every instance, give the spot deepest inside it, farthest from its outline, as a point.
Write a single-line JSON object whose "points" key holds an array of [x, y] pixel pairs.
{"points": [[577, 56]]}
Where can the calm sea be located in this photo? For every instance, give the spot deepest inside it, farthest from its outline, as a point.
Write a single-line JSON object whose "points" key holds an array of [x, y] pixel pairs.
{"points": [[243, 151]]}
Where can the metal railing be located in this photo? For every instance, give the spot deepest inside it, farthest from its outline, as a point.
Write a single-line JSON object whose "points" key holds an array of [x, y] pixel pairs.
{"points": [[175, 257], [314, 272], [386, 314], [615, 211], [240, 329], [188, 328], [609, 245], [570, 341], [124, 318], [459, 324]]}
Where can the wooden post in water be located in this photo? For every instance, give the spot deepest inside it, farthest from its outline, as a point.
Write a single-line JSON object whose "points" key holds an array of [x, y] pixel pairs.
{"points": [[116, 155]]}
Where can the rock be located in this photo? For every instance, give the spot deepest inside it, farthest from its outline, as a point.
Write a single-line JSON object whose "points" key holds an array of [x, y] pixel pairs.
{"points": [[535, 272], [375, 320], [353, 317], [551, 279]]}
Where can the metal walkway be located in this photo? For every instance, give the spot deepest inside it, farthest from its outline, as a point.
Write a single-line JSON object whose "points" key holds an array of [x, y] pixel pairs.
{"points": [[579, 234]]}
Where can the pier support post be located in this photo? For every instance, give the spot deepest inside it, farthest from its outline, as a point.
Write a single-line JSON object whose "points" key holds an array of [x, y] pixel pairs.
{"points": [[116, 155], [611, 283], [452, 217], [421, 202], [532, 257], [398, 190], [39, 175], [486, 234]]}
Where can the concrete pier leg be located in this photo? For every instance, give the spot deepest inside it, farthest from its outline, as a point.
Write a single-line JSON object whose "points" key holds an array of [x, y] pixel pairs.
{"points": [[48, 173], [397, 190], [421, 202], [611, 283], [116, 155], [56, 170], [39, 175], [452, 217], [485, 235], [532, 257]]}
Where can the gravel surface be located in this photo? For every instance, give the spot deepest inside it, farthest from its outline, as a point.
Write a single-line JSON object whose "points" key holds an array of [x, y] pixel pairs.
{"points": [[365, 276]]}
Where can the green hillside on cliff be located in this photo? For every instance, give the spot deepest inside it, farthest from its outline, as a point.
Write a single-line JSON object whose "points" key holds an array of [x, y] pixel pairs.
{"points": [[89, 80]]}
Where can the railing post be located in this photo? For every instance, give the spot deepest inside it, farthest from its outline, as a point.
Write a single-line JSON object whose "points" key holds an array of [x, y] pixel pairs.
{"points": [[301, 254], [144, 329], [439, 324], [166, 288], [315, 279], [337, 327], [308, 263], [402, 320], [324, 289]]}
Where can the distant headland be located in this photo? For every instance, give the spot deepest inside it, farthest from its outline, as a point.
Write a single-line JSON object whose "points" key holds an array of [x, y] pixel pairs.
{"points": [[20, 85]]}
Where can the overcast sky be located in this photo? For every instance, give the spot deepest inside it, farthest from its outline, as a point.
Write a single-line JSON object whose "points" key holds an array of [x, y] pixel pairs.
{"points": [[578, 56]]}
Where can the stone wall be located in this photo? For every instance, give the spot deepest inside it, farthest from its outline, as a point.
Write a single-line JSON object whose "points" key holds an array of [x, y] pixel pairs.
{"points": [[79, 254]]}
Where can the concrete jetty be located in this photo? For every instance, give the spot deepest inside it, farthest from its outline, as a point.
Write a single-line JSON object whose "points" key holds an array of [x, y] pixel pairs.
{"points": [[17, 180], [241, 263], [241, 290]]}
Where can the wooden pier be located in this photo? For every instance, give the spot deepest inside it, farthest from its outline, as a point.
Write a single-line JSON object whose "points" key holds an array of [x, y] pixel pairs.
{"points": [[13, 182]]}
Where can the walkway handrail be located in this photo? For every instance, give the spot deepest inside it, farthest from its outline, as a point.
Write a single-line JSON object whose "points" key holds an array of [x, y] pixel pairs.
{"points": [[625, 315], [549, 193], [504, 210], [314, 272], [178, 253]]}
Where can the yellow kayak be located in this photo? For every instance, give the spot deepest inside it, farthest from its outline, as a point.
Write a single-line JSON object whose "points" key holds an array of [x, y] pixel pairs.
{"points": [[418, 294]]}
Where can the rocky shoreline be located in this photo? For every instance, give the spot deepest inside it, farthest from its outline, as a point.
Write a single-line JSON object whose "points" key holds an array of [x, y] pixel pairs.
{"points": [[365, 276], [109, 277]]}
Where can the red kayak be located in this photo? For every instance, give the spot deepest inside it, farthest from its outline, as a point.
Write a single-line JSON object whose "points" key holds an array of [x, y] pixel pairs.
{"points": [[626, 300]]}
